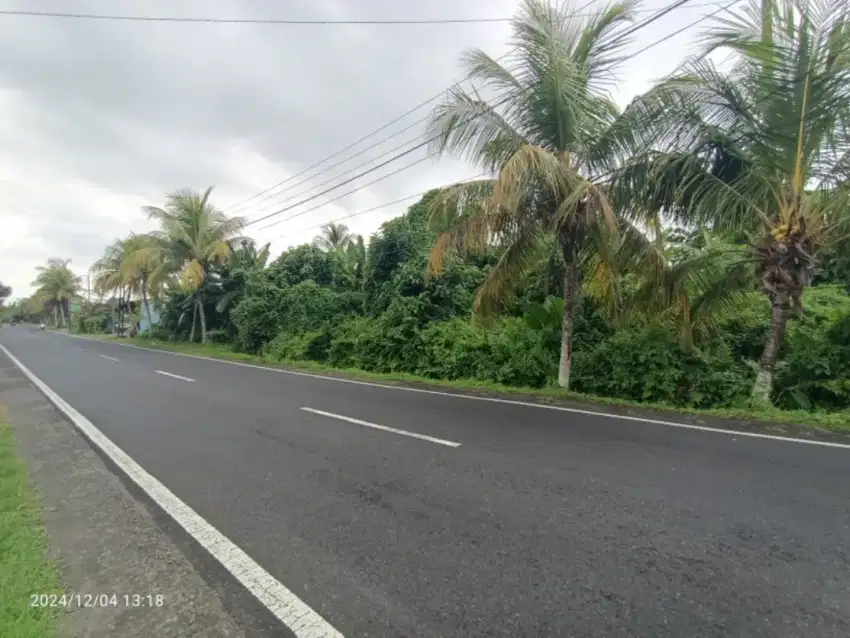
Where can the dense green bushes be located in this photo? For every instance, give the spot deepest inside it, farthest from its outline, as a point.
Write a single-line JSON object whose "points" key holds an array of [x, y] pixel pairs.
{"points": [[644, 362], [378, 312]]}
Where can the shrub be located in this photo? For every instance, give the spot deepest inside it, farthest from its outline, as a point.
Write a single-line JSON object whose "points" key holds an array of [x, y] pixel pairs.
{"points": [[815, 373], [647, 363], [308, 346], [257, 319], [455, 349]]}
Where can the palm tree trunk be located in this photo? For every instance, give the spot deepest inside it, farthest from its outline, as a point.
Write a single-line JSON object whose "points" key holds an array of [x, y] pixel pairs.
{"points": [[55, 316], [145, 303], [203, 316], [61, 314], [763, 387], [194, 322], [114, 316], [571, 282]]}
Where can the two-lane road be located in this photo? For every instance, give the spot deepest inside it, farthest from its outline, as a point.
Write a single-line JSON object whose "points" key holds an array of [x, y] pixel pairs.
{"points": [[397, 513]]}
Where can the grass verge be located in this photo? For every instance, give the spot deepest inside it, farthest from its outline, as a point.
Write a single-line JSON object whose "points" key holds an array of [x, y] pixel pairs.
{"points": [[784, 421], [25, 568]]}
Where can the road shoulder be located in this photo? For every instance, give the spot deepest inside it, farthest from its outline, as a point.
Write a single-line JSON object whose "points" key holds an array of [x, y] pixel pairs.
{"points": [[108, 541]]}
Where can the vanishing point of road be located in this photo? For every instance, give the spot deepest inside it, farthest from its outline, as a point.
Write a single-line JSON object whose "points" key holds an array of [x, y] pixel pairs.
{"points": [[409, 514]]}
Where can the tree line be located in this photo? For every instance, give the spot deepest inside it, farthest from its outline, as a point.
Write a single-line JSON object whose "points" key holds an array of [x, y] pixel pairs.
{"points": [[658, 253]]}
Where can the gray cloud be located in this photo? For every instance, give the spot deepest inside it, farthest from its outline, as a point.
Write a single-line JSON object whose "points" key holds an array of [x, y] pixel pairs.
{"points": [[97, 118]]}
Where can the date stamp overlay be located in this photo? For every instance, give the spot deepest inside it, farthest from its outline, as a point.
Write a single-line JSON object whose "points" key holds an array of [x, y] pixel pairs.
{"points": [[70, 601]]}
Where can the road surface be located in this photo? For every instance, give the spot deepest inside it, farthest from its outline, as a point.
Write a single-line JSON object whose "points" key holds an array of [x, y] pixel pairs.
{"points": [[402, 514]]}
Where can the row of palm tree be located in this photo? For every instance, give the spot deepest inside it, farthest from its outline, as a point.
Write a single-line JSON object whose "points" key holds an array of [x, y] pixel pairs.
{"points": [[753, 160], [758, 154], [192, 237]]}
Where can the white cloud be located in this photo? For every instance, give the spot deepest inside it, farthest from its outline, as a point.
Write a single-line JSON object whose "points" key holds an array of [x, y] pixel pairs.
{"points": [[100, 118]]}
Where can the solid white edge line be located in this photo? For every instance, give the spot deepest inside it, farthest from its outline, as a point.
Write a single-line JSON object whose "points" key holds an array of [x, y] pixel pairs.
{"points": [[301, 619], [106, 356], [385, 428], [528, 404], [175, 376]]}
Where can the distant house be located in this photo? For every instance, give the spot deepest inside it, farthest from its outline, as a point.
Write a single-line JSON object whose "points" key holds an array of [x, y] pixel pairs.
{"points": [[143, 320]]}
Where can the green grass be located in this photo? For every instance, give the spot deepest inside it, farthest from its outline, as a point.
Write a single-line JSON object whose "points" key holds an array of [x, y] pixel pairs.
{"points": [[767, 415], [25, 568]]}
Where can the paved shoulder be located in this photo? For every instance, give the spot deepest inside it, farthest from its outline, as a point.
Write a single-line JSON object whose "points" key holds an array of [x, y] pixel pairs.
{"points": [[134, 575]]}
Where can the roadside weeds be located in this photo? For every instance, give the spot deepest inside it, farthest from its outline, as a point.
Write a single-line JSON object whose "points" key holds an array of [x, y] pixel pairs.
{"points": [[125, 568], [26, 568]]}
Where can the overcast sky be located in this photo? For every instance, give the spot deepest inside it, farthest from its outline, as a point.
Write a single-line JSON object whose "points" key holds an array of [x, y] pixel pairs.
{"points": [[100, 118]]}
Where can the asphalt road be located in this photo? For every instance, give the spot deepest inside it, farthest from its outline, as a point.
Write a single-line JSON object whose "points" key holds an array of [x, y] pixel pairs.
{"points": [[540, 523]]}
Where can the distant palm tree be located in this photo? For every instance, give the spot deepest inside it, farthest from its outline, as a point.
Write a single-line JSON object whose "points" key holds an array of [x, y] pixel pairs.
{"points": [[56, 286], [549, 136], [118, 273], [333, 237], [760, 151], [194, 235], [145, 265]]}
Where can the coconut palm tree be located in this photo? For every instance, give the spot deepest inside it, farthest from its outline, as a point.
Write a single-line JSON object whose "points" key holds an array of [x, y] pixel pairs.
{"points": [[194, 235], [333, 237], [548, 136], [113, 274], [56, 286], [761, 151], [144, 266]]}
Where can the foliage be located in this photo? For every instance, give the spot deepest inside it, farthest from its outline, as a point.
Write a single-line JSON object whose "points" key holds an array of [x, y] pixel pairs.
{"points": [[647, 363], [690, 251], [759, 150], [92, 319], [816, 367], [193, 237], [5, 293], [550, 138], [56, 286], [27, 564]]}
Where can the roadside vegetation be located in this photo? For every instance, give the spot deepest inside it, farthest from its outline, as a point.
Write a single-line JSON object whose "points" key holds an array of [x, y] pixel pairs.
{"points": [[689, 252], [25, 567]]}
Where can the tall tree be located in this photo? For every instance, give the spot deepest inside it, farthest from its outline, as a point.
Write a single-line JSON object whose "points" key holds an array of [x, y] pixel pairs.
{"points": [[146, 265], [547, 134], [57, 285], [761, 150], [135, 264], [194, 235]]}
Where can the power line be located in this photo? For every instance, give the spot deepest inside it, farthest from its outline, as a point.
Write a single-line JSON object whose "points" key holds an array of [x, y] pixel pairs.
{"points": [[653, 44], [657, 16], [270, 21], [338, 197], [341, 162], [348, 181], [341, 151], [720, 9], [380, 206], [642, 24], [423, 104], [210, 20]]}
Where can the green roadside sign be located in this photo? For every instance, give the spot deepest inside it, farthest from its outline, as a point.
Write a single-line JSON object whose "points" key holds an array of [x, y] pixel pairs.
{"points": [[75, 306]]}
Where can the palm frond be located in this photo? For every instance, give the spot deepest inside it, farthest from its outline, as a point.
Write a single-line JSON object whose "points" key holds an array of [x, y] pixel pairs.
{"points": [[520, 254]]}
